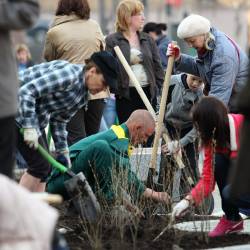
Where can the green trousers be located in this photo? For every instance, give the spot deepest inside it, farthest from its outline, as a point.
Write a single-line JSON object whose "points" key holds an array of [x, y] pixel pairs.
{"points": [[95, 161]]}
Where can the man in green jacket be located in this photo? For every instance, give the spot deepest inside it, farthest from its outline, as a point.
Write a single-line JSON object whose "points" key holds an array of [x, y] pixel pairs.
{"points": [[104, 156]]}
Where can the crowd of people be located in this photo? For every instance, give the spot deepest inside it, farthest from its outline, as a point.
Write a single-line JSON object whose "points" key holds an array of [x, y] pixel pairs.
{"points": [[83, 95]]}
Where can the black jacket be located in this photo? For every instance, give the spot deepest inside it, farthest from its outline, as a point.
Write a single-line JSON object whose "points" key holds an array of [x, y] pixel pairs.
{"points": [[151, 62]]}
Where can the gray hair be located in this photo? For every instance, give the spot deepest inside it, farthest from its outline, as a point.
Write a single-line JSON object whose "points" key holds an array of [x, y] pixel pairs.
{"points": [[209, 37]]}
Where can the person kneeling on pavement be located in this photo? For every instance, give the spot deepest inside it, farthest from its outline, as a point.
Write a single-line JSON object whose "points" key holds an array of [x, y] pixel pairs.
{"points": [[103, 156], [219, 133]]}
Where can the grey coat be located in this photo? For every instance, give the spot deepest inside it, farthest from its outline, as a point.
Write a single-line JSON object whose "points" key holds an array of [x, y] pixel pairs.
{"points": [[14, 15], [151, 61], [178, 110], [224, 69]]}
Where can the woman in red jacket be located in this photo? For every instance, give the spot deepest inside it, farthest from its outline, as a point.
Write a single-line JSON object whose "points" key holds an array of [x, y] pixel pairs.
{"points": [[219, 134]]}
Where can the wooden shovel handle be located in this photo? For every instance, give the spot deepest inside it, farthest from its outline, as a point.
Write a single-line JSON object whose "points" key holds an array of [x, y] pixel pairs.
{"points": [[160, 118], [49, 198], [142, 94]]}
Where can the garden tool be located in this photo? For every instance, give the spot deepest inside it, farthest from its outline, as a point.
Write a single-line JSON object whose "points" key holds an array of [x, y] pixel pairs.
{"points": [[149, 107], [49, 198], [160, 118], [178, 156], [78, 188]]}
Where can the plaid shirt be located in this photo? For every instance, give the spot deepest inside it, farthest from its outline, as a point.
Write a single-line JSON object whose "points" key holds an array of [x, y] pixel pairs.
{"points": [[51, 92]]}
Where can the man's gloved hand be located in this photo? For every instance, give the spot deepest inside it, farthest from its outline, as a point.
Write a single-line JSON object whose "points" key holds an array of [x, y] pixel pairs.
{"points": [[63, 158], [30, 137], [171, 147], [180, 208], [174, 50]]}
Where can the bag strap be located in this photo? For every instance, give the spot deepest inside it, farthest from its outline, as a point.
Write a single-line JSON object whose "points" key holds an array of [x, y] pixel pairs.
{"points": [[235, 46]]}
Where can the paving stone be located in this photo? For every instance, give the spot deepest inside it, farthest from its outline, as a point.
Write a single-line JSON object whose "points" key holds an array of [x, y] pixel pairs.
{"points": [[205, 226]]}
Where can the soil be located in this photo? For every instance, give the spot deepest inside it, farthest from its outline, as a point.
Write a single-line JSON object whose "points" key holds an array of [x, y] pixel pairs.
{"points": [[113, 235]]}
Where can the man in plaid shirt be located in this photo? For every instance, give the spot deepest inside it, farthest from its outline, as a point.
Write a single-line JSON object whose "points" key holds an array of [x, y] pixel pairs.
{"points": [[51, 93]]}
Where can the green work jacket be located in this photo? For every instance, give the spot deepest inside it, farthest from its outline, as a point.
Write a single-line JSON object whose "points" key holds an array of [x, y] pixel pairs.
{"points": [[120, 150]]}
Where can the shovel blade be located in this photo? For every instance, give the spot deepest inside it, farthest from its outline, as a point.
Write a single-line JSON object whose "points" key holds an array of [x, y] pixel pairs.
{"points": [[83, 198]]}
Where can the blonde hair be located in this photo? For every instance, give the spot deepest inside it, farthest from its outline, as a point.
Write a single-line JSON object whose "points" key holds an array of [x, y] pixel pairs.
{"points": [[23, 47], [209, 37], [124, 11]]}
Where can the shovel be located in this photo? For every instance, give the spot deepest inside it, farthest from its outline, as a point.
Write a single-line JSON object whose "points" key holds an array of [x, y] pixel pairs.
{"points": [[78, 188], [160, 118], [149, 107]]}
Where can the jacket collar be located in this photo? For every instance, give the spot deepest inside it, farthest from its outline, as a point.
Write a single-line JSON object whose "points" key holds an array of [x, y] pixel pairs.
{"points": [[65, 19], [142, 36], [125, 128], [160, 39], [211, 44]]}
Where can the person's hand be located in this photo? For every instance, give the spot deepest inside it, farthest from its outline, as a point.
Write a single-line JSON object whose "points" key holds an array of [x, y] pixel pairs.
{"points": [[165, 198], [180, 208], [174, 50], [138, 212], [30, 136], [133, 208], [63, 158], [171, 147]]}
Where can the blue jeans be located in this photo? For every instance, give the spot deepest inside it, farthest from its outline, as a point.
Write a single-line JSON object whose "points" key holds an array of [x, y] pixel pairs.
{"points": [[20, 162], [109, 114], [59, 242]]}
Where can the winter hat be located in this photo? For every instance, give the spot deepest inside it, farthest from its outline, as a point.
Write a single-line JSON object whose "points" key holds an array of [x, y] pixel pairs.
{"points": [[109, 67], [193, 25]]}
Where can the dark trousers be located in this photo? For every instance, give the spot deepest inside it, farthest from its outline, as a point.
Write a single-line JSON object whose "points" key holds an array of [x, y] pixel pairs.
{"points": [[124, 106], [85, 122], [37, 165], [242, 202], [7, 145], [221, 170]]}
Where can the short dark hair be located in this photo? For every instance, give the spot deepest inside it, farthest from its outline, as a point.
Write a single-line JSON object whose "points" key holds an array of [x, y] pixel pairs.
{"points": [[155, 27], [149, 27], [78, 7], [160, 27], [211, 121]]}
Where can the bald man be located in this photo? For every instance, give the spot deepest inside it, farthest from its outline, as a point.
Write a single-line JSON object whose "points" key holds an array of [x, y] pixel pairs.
{"points": [[104, 158]]}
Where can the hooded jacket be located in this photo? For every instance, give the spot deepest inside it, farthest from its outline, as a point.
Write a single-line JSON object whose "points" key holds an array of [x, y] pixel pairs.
{"points": [[178, 111]]}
